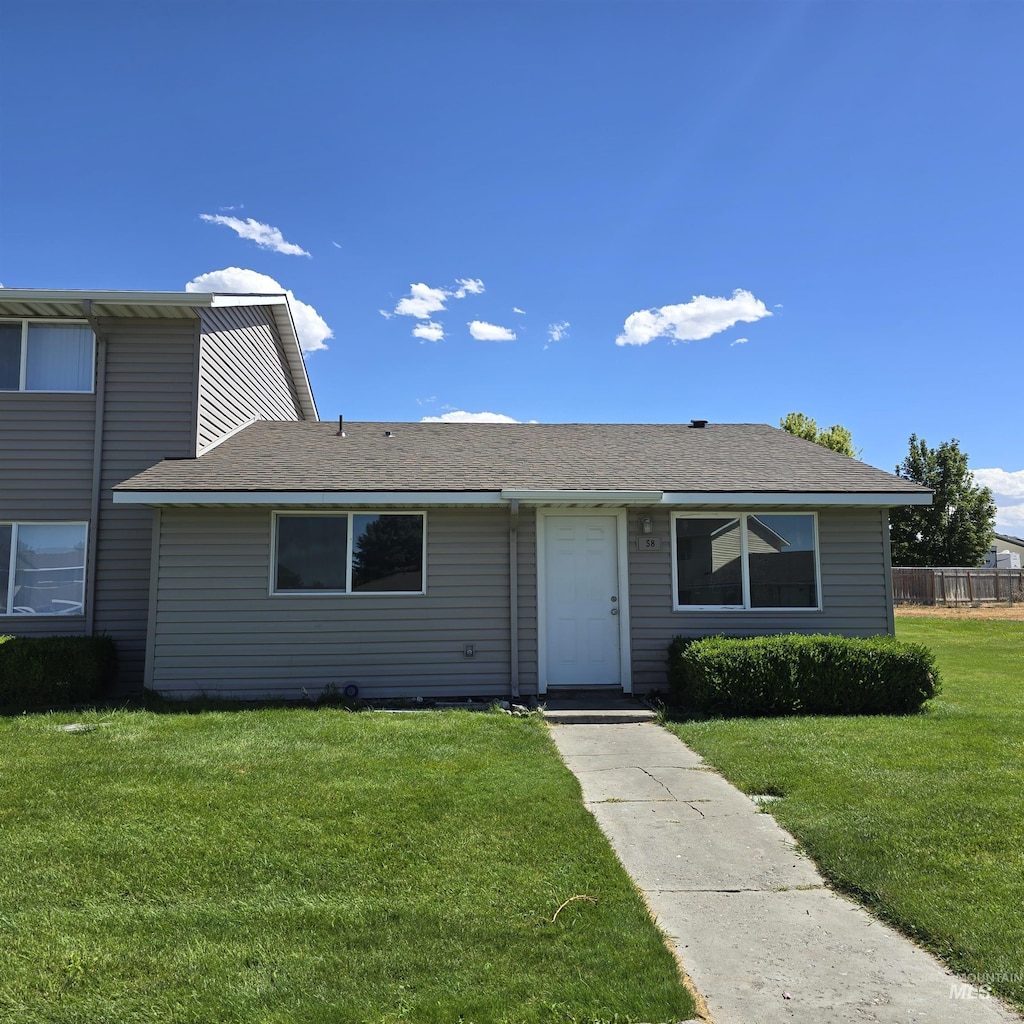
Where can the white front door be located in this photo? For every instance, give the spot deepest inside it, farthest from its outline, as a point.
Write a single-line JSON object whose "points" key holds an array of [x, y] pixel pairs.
{"points": [[582, 604]]}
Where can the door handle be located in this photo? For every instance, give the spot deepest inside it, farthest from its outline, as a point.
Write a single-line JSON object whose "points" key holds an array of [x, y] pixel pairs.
{"points": [[615, 611]]}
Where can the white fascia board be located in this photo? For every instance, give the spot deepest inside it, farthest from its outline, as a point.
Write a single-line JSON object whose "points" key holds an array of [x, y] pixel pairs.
{"points": [[285, 322], [333, 498], [762, 499], [101, 297], [613, 497], [245, 299], [123, 298]]}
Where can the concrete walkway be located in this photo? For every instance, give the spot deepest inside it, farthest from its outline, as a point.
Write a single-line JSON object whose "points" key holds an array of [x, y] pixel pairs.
{"points": [[753, 923]]}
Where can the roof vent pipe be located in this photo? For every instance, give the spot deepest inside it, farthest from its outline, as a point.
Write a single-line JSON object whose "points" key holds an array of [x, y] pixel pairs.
{"points": [[341, 427], [698, 424]]}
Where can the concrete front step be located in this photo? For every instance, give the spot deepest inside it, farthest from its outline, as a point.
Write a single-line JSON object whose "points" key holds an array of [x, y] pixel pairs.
{"points": [[594, 707]]}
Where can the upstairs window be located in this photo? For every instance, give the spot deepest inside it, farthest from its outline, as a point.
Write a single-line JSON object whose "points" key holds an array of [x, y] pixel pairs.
{"points": [[38, 356], [42, 568], [349, 553], [764, 561]]}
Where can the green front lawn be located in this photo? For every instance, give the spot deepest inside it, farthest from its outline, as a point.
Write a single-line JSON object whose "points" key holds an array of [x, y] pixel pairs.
{"points": [[311, 866], [921, 817]]}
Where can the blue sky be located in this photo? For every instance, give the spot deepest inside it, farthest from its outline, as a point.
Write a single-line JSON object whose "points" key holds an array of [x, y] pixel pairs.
{"points": [[557, 210]]}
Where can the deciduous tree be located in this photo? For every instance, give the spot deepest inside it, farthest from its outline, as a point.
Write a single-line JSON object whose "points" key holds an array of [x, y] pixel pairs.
{"points": [[836, 437], [958, 527]]}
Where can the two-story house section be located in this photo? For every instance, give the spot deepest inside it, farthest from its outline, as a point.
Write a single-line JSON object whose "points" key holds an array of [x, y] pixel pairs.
{"points": [[95, 387]]}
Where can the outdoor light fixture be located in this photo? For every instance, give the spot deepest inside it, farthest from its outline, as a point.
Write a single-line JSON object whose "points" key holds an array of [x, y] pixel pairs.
{"points": [[646, 525]]}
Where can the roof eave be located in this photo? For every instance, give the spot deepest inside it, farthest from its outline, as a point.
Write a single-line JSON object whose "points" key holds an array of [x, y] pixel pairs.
{"points": [[614, 498], [720, 499], [44, 302]]}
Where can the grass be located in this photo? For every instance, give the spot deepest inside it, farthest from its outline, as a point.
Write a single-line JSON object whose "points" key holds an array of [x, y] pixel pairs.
{"points": [[918, 816], [311, 866]]}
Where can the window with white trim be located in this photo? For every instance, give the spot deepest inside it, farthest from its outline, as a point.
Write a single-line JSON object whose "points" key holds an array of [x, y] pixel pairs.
{"points": [[349, 553], [42, 568], [43, 356], [746, 561]]}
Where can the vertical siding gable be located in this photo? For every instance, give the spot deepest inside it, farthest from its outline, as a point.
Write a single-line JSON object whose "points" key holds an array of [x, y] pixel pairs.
{"points": [[243, 373]]}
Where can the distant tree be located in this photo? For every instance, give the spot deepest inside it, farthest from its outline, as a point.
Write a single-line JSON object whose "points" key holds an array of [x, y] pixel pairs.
{"points": [[958, 527], [835, 438], [388, 553]]}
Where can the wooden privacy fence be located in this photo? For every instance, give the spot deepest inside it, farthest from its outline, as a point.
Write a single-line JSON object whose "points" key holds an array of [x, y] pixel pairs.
{"points": [[957, 586]]}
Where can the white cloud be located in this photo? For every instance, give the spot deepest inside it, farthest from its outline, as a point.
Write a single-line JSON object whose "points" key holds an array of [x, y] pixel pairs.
{"points": [[428, 331], [521, 312], [467, 286], [1010, 519], [1001, 482], [335, 244], [738, 341], [423, 301], [483, 331], [460, 416], [700, 318], [1005, 486], [556, 332], [311, 327], [265, 236]]}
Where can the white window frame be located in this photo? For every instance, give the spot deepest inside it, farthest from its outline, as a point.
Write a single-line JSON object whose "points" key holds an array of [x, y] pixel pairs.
{"points": [[7, 609], [741, 515], [23, 368], [349, 538]]}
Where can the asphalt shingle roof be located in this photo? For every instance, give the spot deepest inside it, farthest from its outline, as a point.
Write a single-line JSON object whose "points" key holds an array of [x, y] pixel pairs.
{"points": [[309, 456]]}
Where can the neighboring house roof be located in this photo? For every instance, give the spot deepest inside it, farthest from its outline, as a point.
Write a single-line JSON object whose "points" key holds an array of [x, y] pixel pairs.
{"points": [[734, 463], [90, 305], [1009, 539], [1005, 540]]}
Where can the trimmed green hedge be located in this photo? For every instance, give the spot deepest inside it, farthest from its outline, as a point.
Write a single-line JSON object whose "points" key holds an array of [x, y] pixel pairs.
{"points": [[801, 675], [53, 671]]}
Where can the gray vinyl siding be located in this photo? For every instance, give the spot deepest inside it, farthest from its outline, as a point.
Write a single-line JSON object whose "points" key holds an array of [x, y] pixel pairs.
{"points": [[527, 573], [218, 631], [853, 584], [242, 372], [45, 476], [149, 414], [46, 455]]}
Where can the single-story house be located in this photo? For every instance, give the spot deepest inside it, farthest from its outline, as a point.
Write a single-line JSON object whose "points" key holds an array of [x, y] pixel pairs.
{"points": [[466, 559]]}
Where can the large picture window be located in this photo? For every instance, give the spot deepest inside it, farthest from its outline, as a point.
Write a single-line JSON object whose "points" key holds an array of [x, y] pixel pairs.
{"points": [[45, 356], [42, 568], [349, 553], [765, 560]]}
